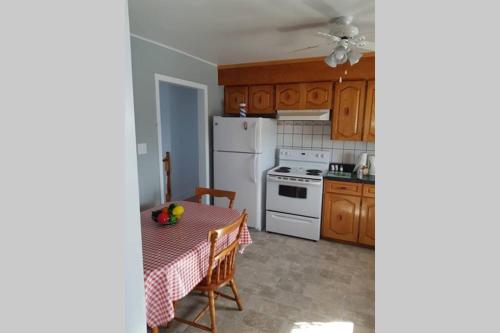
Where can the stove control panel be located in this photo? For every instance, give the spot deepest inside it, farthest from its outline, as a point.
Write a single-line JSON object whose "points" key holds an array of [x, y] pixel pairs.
{"points": [[294, 179], [304, 155]]}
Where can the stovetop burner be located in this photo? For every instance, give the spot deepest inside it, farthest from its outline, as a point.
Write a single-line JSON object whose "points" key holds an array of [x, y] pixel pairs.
{"points": [[283, 170], [313, 172]]}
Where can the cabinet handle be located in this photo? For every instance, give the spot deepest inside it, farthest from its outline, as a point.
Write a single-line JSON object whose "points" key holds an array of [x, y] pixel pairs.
{"points": [[340, 217], [343, 188], [346, 111]]}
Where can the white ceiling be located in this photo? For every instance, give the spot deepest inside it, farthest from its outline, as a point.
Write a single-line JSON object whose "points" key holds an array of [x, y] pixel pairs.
{"points": [[239, 31]]}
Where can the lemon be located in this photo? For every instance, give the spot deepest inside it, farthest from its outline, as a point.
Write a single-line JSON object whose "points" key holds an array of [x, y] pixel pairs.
{"points": [[178, 211]]}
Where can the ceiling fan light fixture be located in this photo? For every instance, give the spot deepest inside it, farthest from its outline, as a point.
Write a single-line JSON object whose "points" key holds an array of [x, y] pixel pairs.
{"points": [[354, 56], [340, 54], [330, 60]]}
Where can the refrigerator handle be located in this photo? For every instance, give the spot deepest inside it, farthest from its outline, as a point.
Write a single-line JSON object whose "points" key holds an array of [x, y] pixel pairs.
{"points": [[254, 174], [256, 137]]}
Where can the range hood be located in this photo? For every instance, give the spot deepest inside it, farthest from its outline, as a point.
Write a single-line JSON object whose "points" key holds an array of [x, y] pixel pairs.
{"points": [[323, 114]]}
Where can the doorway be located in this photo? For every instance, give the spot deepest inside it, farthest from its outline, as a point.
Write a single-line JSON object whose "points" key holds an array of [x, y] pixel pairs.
{"points": [[182, 124]]}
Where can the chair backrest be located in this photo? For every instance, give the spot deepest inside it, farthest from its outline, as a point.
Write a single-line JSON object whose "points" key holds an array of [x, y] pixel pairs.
{"points": [[222, 264], [168, 180], [201, 191]]}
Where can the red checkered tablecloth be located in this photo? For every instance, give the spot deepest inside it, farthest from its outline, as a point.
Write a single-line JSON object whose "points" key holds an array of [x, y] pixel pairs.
{"points": [[176, 257]]}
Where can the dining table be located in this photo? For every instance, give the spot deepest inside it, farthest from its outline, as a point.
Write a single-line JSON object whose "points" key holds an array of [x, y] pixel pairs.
{"points": [[175, 257]]}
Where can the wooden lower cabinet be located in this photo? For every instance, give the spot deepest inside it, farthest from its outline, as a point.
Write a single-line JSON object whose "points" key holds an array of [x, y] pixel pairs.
{"points": [[341, 216], [349, 215], [367, 222]]}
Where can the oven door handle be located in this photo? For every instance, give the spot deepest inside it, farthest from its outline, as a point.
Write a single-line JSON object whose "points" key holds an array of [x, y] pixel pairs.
{"points": [[295, 182], [294, 218]]}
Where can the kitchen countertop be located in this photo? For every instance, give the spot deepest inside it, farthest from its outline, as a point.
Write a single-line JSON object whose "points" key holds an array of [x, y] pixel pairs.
{"points": [[365, 180]]}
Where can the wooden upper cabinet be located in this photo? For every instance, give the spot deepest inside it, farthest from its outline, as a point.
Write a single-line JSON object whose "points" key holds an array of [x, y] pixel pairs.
{"points": [[318, 95], [340, 217], [261, 99], [311, 95], [367, 222], [349, 110], [369, 125], [233, 96], [289, 97]]}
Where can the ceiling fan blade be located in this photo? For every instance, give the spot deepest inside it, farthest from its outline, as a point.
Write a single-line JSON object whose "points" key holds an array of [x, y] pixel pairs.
{"points": [[323, 8], [369, 46], [305, 48], [303, 26], [331, 37]]}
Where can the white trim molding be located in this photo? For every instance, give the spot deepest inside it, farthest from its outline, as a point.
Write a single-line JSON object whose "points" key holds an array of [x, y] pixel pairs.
{"points": [[203, 147], [173, 49]]}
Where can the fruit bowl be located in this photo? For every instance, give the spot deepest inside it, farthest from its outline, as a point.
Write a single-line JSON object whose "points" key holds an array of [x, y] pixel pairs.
{"points": [[168, 215]]}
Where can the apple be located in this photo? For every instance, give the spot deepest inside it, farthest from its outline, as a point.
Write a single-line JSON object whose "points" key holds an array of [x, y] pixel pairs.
{"points": [[162, 218]]}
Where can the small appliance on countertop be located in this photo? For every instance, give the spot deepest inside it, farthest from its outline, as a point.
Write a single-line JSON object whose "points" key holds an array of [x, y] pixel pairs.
{"points": [[344, 172]]}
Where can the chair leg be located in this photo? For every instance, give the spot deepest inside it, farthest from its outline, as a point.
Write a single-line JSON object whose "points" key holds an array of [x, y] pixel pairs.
{"points": [[155, 329], [235, 292], [211, 305]]}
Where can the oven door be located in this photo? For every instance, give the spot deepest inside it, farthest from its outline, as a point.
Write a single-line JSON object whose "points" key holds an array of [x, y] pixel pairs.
{"points": [[294, 196]]}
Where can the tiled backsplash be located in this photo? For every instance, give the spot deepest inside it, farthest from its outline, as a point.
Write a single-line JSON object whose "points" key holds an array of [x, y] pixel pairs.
{"points": [[316, 135]]}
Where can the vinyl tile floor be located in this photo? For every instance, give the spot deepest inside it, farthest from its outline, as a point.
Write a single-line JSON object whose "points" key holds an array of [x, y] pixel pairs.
{"points": [[291, 285]]}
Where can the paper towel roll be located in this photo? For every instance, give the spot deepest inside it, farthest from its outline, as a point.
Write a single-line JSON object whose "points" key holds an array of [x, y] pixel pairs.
{"points": [[371, 161]]}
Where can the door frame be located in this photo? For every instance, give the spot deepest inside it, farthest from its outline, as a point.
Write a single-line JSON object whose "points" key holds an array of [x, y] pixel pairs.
{"points": [[203, 137]]}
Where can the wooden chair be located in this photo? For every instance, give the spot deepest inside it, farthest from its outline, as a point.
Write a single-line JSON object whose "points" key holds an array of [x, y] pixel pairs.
{"points": [[201, 191], [166, 166], [221, 267]]}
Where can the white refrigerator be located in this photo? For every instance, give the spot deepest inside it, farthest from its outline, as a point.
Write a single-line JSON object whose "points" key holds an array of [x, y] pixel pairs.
{"points": [[244, 150]]}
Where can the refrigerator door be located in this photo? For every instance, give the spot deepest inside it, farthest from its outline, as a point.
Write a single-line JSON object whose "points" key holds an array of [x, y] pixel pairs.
{"points": [[238, 134], [239, 172]]}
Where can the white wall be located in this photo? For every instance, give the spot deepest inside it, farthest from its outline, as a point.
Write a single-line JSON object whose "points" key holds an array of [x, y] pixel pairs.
{"points": [[70, 246], [148, 59]]}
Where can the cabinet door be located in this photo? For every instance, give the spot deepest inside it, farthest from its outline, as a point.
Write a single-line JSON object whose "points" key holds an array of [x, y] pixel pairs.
{"points": [[367, 222], [369, 125], [318, 95], [348, 110], [289, 97], [340, 217], [261, 99], [233, 96]]}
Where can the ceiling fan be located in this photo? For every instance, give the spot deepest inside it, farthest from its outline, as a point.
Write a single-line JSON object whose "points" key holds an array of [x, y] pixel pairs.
{"points": [[346, 40]]}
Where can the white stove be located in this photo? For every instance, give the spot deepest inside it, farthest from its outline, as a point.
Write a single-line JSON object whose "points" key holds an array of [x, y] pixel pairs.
{"points": [[294, 193]]}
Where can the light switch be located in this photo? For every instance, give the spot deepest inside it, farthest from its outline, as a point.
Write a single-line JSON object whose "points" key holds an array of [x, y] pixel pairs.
{"points": [[142, 148]]}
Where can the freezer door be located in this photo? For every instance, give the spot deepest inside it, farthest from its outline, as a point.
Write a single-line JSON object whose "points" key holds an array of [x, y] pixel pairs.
{"points": [[239, 172], [238, 134]]}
